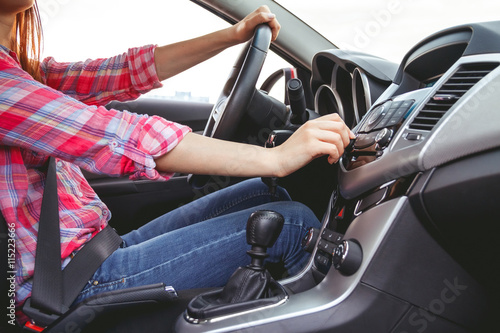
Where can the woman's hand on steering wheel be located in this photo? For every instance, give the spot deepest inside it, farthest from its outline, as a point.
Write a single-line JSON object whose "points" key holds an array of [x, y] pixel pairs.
{"points": [[244, 29]]}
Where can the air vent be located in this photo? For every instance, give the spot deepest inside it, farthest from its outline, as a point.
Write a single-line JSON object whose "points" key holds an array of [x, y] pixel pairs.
{"points": [[456, 86]]}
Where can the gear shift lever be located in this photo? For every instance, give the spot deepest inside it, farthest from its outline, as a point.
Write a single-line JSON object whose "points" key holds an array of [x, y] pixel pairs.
{"points": [[253, 281], [263, 229], [250, 286]]}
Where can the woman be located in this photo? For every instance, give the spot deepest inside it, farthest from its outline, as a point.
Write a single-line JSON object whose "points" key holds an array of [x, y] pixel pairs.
{"points": [[56, 109]]}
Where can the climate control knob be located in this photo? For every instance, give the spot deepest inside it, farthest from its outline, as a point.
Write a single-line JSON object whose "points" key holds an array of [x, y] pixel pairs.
{"points": [[347, 257], [310, 239]]}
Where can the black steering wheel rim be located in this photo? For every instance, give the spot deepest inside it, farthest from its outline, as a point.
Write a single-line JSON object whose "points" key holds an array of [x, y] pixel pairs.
{"points": [[239, 87]]}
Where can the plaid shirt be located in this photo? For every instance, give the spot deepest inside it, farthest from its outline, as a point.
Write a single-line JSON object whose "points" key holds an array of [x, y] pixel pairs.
{"points": [[66, 119]]}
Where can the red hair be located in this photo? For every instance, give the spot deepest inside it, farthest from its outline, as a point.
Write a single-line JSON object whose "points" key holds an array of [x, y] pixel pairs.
{"points": [[27, 39]]}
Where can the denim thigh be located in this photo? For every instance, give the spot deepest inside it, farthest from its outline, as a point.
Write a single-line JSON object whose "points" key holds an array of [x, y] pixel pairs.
{"points": [[204, 253]]}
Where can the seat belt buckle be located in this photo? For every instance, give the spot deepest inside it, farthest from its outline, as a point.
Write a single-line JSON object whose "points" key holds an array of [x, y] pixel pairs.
{"points": [[30, 327], [39, 318]]}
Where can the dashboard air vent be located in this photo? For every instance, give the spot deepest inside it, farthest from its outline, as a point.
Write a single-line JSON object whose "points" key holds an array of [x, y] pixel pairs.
{"points": [[451, 91]]}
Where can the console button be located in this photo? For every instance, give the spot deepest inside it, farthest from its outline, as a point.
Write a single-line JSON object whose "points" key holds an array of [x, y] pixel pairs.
{"points": [[396, 104], [396, 113], [399, 113], [365, 140], [331, 236], [322, 260], [392, 122], [413, 136], [387, 117], [326, 246], [407, 104], [375, 116]]}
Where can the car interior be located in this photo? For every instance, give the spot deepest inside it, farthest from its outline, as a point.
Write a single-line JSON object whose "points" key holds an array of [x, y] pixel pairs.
{"points": [[409, 216]]}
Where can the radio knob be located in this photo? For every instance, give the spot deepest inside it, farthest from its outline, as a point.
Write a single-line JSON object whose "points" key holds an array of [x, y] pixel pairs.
{"points": [[383, 138]]}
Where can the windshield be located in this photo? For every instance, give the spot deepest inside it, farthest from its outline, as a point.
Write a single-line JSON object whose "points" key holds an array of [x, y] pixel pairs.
{"points": [[388, 28]]}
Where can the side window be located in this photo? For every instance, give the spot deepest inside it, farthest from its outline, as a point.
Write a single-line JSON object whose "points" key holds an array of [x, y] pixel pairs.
{"points": [[70, 35]]}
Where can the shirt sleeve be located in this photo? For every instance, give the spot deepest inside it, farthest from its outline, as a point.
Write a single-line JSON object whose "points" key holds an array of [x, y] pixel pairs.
{"points": [[97, 82], [38, 118]]}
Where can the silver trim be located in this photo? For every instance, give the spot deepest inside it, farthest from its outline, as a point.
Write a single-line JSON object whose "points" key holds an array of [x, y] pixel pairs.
{"points": [[345, 252], [358, 72], [221, 318], [324, 222], [171, 290], [336, 96]]}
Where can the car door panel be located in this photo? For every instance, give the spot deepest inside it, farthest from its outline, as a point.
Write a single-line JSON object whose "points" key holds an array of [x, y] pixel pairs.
{"points": [[189, 113]]}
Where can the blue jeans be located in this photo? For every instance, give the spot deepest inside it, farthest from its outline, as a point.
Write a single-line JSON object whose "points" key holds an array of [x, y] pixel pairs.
{"points": [[202, 243]]}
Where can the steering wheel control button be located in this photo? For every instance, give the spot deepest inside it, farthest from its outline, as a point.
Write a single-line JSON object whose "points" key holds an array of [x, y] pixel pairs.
{"points": [[347, 257]]}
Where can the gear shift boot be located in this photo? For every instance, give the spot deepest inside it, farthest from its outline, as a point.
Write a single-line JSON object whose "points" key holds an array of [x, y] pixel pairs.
{"points": [[251, 286], [211, 304]]}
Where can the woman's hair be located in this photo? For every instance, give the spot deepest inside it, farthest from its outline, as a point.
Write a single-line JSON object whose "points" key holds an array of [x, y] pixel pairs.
{"points": [[27, 39]]}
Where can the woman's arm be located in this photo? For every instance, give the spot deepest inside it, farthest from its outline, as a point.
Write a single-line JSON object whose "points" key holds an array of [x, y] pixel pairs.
{"points": [[175, 58], [40, 119], [197, 154], [99, 81]]}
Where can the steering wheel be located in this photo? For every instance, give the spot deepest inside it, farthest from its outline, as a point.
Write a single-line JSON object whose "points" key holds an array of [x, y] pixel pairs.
{"points": [[240, 87]]}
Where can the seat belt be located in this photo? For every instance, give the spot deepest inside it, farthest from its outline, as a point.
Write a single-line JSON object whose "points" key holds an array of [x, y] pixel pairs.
{"points": [[47, 294], [54, 290]]}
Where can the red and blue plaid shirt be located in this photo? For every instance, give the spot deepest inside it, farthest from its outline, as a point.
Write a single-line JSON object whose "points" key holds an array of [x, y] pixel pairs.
{"points": [[66, 119]]}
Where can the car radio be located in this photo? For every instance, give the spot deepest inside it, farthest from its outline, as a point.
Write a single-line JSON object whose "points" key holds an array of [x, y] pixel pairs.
{"points": [[376, 131]]}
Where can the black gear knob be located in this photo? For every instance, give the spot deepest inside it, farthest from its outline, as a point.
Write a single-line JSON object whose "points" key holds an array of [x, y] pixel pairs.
{"points": [[263, 229]]}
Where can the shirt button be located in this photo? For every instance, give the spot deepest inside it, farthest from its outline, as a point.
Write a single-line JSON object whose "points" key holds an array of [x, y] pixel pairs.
{"points": [[80, 194], [59, 164], [105, 212]]}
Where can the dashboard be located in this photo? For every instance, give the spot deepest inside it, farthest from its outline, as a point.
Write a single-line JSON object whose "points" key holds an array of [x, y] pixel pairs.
{"points": [[408, 238], [397, 112], [427, 136]]}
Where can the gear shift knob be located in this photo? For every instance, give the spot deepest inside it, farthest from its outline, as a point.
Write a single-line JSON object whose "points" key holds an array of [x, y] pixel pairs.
{"points": [[263, 229]]}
